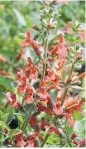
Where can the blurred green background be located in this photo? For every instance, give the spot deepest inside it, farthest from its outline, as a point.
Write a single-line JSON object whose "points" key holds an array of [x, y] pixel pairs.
{"points": [[17, 17]]}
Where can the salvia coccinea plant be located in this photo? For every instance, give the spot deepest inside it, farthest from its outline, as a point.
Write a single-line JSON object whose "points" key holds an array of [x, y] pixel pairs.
{"points": [[44, 103]]}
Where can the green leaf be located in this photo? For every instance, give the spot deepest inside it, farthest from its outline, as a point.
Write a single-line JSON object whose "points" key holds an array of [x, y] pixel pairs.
{"points": [[53, 94], [77, 115], [20, 17], [30, 108], [8, 84], [9, 110], [53, 139], [3, 117], [2, 125], [3, 101]]}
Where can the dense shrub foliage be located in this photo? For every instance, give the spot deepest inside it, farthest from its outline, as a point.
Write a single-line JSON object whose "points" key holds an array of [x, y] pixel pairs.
{"points": [[42, 74]]}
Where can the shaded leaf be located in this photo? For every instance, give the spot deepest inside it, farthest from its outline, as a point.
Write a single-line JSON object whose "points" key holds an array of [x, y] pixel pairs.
{"points": [[20, 17], [9, 110], [8, 84]]}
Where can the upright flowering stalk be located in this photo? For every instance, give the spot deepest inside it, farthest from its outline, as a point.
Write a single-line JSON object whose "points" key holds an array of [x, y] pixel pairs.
{"points": [[54, 59], [49, 90]]}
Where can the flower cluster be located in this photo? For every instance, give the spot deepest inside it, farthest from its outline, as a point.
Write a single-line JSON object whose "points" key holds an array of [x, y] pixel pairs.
{"points": [[44, 94]]}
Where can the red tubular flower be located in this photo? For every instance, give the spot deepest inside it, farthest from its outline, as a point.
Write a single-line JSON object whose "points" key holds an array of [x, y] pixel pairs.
{"points": [[51, 80], [20, 55], [43, 94], [31, 70], [59, 64], [30, 41], [35, 46], [5, 131], [68, 28], [53, 129], [33, 121], [21, 89], [81, 75], [23, 86], [83, 35], [12, 100], [49, 108], [58, 108], [70, 106], [20, 140], [44, 123], [75, 142], [20, 74], [82, 143], [50, 76], [32, 73], [31, 143], [31, 140], [70, 120], [61, 49], [29, 96], [40, 107], [4, 73], [54, 84], [73, 105]]}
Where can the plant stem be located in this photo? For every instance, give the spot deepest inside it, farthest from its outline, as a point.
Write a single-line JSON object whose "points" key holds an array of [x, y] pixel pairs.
{"points": [[47, 135], [67, 84], [45, 140], [45, 57]]}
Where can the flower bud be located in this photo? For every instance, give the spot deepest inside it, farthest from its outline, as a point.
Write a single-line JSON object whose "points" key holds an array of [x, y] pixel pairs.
{"points": [[36, 28]]}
